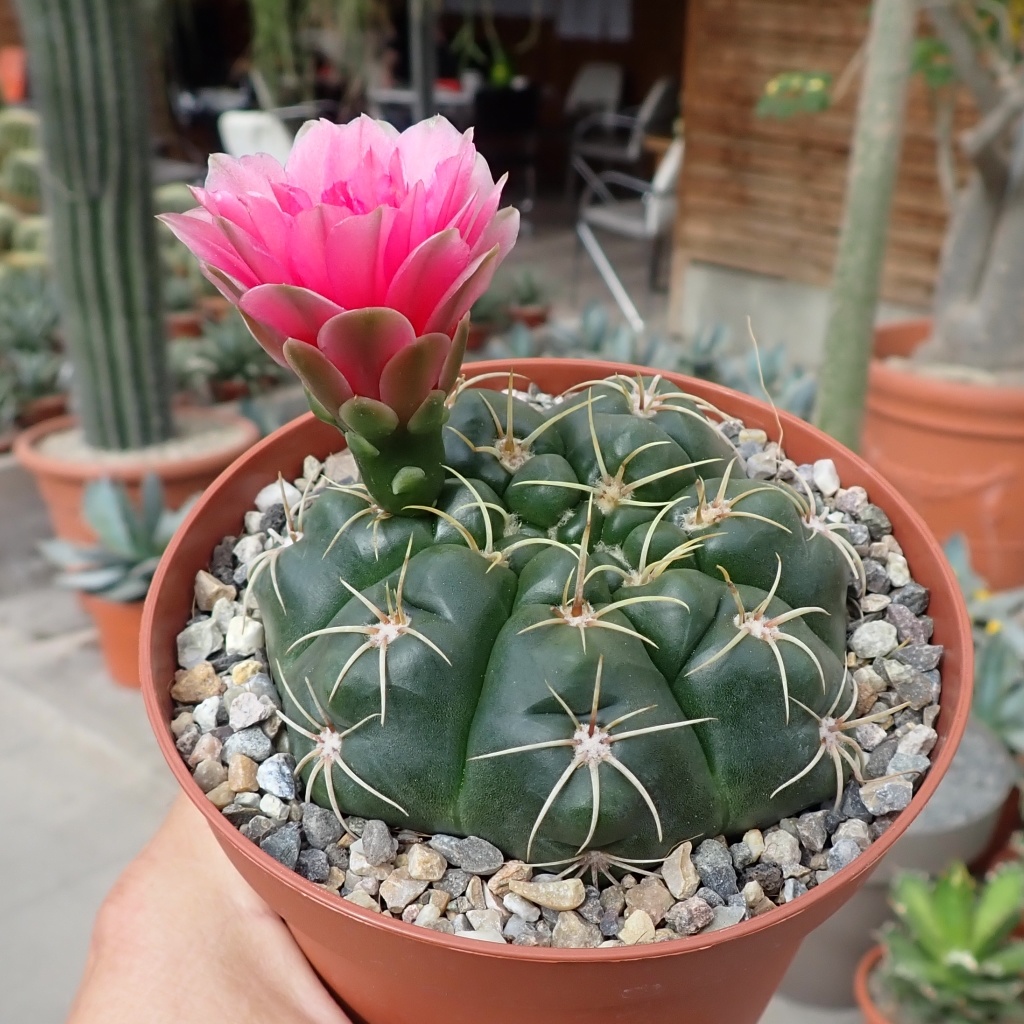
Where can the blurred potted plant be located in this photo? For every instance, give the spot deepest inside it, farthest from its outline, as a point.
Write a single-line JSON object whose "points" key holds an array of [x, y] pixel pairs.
{"points": [[949, 958], [488, 316], [223, 364], [113, 575], [955, 395], [529, 303], [90, 89]]}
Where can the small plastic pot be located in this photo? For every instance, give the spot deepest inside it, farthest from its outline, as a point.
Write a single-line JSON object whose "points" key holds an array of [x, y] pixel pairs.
{"points": [[384, 971], [861, 985]]}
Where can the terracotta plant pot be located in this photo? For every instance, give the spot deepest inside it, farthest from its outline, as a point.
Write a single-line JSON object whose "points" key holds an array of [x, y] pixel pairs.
{"points": [[529, 316], [214, 307], [478, 335], [119, 624], [388, 972], [188, 323], [954, 450], [872, 1014], [229, 390], [39, 409], [61, 482]]}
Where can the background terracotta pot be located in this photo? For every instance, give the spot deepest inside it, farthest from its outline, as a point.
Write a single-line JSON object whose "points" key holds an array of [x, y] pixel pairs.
{"points": [[61, 482], [187, 323], [529, 316], [45, 408], [872, 1014], [387, 972], [955, 451], [119, 624]]}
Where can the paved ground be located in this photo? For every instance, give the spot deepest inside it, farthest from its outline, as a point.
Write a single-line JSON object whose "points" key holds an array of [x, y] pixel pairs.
{"points": [[83, 785]]}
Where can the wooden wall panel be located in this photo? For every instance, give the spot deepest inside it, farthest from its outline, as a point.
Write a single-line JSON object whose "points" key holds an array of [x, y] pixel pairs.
{"points": [[766, 195]]}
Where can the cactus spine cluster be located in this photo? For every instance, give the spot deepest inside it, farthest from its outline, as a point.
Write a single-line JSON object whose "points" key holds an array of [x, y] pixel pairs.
{"points": [[88, 80], [599, 641]]}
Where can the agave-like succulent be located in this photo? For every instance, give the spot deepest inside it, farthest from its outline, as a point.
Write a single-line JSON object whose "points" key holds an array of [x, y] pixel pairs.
{"points": [[120, 566], [225, 353], [950, 958]]}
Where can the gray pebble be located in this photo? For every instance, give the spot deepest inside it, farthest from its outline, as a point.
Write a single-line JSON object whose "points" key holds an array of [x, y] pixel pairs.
{"points": [[379, 845], [689, 916], [283, 845], [320, 826], [247, 709], [276, 775], [858, 536], [610, 924], [855, 831], [726, 917], [768, 876], [475, 855], [852, 805], [198, 641], [447, 846], [591, 909], [910, 628], [878, 762], [908, 765], [882, 796], [251, 742], [873, 640], [209, 774], [715, 867], [876, 521], [455, 881], [742, 855], [876, 578], [923, 657], [710, 897], [210, 713], [913, 596], [312, 864], [337, 856], [613, 898], [259, 828], [911, 686], [793, 888], [811, 830], [239, 814], [843, 852]]}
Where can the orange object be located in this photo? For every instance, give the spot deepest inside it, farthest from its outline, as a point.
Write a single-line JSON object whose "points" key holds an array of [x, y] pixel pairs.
{"points": [[872, 1014], [119, 625], [384, 971], [12, 73], [954, 450], [530, 316], [62, 482]]}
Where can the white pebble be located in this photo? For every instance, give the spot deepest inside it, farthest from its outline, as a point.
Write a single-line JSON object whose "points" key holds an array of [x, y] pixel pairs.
{"points": [[271, 495], [252, 521], [825, 477], [899, 571], [245, 636], [520, 907], [273, 807], [249, 547]]}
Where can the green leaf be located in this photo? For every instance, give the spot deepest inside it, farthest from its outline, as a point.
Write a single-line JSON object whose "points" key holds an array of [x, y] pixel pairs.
{"points": [[911, 898], [152, 507], [106, 508], [954, 903], [372, 419], [999, 908], [1008, 962], [92, 580]]}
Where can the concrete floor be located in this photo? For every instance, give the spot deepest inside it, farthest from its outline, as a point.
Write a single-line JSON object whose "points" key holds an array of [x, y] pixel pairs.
{"points": [[83, 784]]}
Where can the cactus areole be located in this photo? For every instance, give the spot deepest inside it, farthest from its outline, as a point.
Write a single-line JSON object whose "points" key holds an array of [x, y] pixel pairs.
{"points": [[579, 632]]}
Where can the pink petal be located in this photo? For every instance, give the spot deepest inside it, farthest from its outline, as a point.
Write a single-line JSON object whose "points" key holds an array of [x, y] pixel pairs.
{"points": [[265, 267], [198, 233], [427, 275], [427, 145], [254, 173], [353, 259], [409, 230], [325, 153], [307, 247], [229, 288], [502, 231], [290, 311], [459, 298], [361, 342], [292, 199], [412, 374], [270, 340]]}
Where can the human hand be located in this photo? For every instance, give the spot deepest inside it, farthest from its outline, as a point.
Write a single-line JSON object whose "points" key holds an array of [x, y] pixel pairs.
{"points": [[181, 938]]}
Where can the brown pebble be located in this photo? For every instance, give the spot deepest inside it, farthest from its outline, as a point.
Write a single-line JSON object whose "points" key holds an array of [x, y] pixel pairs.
{"points": [[242, 774], [196, 684]]}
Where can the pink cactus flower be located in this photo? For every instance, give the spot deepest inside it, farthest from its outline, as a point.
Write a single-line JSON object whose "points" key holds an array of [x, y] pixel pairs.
{"points": [[367, 242]]}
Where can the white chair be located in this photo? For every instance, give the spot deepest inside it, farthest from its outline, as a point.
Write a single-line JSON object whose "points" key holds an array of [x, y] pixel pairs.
{"points": [[597, 87], [244, 132], [647, 218], [607, 137]]}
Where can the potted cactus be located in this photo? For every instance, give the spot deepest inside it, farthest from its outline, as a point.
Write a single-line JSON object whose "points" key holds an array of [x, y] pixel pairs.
{"points": [[949, 957], [529, 303], [553, 625], [89, 87], [113, 575], [944, 390]]}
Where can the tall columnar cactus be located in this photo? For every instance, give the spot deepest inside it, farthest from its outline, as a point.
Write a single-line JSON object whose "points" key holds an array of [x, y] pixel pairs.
{"points": [[87, 77], [602, 639]]}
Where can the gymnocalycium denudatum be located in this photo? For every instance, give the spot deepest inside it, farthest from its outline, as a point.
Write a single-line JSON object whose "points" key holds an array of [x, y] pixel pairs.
{"points": [[600, 640]]}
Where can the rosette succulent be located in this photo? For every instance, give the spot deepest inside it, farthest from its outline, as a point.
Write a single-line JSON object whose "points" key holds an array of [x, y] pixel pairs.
{"points": [[580, 633]]}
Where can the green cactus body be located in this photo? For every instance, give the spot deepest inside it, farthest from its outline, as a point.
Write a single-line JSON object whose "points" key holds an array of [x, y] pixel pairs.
{"points": [[31, 234], [22, 180], [563, 656]]}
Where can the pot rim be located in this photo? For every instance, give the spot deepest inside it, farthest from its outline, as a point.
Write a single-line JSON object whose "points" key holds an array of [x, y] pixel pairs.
{"points": [[990, 401], [27, 452], [862, 990], [858, 870]]}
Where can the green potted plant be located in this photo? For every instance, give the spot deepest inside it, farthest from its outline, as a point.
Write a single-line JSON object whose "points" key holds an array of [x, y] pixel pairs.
{"points": [[113, 575], [488, 640], [223, 364], [944, 389], [950, 956], [529, 303], [89, 87]]}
